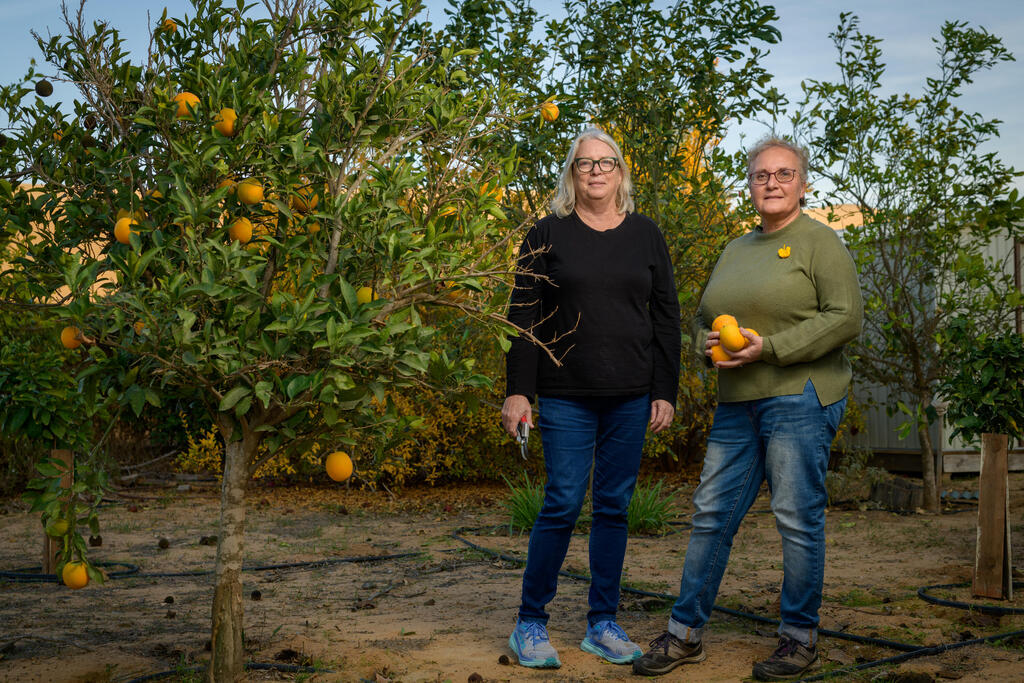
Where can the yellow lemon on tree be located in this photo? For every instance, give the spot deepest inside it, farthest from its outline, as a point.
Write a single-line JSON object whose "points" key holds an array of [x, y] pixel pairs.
{"points": [[184, 100], [241, 230], [718, 354], [249, 191], [123, 229], [339, 466], [71, 337], [732, 338], [721, 321], [365, 295], [549, 111], [224, 122], [75, 575]]}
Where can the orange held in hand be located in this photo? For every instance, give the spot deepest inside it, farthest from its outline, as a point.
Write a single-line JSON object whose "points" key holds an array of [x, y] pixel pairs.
{"points": [[75, 575], [339, 466], [718, 354], [721, 321], [732, 338]]}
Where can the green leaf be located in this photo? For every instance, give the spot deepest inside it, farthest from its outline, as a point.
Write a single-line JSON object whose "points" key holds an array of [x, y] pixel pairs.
{"points": [[232, 397]]}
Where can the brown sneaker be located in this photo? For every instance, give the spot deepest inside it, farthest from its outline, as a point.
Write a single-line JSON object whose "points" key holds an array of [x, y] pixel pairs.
{"points": [[666, 653], [790, 660]]}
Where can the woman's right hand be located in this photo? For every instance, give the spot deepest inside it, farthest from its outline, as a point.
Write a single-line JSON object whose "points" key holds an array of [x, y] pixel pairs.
{"points": [[512, 412]]}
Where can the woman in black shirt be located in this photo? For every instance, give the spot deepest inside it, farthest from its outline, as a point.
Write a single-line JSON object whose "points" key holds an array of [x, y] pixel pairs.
{"points": [[595, 285]]}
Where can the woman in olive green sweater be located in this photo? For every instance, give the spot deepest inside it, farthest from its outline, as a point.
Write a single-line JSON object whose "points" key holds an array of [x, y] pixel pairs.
{"points": [[792, 286]]}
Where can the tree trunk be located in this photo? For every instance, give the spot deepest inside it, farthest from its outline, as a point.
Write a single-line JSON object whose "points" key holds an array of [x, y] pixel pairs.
{"points": [[929, 477], [227, 663]]}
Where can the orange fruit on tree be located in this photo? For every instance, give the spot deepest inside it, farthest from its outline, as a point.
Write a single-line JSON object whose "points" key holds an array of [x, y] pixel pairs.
{"points": [[75, 575], [314, 227], [721, 321], [304, 199], [169, 25], [224, 122], [339, 466], [731, 338], [241, 230], [718, 354], [549, 111], [71, 337], [58, 528], [139, 326], [123, 229], [365, 295], [125, 213], [249, 191], [184, 100]]}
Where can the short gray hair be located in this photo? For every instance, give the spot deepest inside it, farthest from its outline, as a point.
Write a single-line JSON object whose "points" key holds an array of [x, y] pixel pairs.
{"points": [[565, 197], [771, 141]]}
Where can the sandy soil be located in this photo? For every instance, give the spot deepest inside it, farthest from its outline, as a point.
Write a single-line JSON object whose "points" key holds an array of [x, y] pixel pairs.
{"points": [[445, 612]]}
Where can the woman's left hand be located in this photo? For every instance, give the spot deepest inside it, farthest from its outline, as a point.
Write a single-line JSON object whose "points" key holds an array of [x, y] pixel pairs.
{"points": [[748, 354], [662, 413]]}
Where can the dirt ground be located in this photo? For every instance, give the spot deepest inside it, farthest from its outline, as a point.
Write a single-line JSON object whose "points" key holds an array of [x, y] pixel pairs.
{"points": [[444, 612]]}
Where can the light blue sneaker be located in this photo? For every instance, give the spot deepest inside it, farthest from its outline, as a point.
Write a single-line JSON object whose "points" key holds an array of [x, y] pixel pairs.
{"points": [[607, 639], [529, 640]]}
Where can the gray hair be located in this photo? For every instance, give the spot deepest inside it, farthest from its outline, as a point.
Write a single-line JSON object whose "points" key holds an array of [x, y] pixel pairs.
{"points": [[565, 197], [771, 141]]}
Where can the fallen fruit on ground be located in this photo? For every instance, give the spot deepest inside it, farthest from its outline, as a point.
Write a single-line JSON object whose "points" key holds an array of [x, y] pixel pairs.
{"points": [[339, 466], [71, 337], [75, 575]]}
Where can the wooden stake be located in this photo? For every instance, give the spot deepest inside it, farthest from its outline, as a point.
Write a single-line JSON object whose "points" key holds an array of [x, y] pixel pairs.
{"points": [[50, 547], [992, 562]]}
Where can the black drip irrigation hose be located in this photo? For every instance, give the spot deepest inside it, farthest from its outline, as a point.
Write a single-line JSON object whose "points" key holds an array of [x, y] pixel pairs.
{"points": [[910, 651], [993, 610], [31, 574]]}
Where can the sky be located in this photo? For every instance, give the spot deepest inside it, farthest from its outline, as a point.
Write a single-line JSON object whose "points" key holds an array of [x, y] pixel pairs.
{"points": [[906, 28]]}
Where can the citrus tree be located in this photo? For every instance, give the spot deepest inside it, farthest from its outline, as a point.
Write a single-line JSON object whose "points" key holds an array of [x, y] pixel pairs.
{"points": [[932, 201], [665, 81], [257, 215]]}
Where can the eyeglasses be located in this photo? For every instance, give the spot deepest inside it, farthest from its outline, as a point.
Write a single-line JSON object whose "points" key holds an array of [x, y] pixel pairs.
{"points": [[783, 175], [585, 165]]}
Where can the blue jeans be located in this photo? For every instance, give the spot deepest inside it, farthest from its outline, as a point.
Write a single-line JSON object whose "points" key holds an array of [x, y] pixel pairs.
{"points": [[605, 434], [786, 440]]}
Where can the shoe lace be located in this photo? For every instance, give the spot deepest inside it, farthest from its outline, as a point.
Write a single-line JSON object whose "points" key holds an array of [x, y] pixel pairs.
{"points": [[787, 646], [662, 642], [613, 630], [535, 632]]}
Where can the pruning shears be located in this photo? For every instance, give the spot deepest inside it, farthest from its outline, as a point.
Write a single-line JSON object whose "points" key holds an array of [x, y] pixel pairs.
{"points": [[522, 436]]}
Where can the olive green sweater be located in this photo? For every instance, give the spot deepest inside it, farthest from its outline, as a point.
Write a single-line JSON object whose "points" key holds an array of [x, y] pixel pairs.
{"points": [[806, 303]]}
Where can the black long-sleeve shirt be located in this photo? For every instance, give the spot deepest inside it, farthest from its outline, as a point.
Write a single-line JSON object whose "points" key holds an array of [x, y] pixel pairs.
{"points": [[604, 303]]}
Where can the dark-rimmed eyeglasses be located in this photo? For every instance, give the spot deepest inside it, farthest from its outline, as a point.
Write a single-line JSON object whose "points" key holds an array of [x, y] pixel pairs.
{"points": [[585, 165], [783, 175]]}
